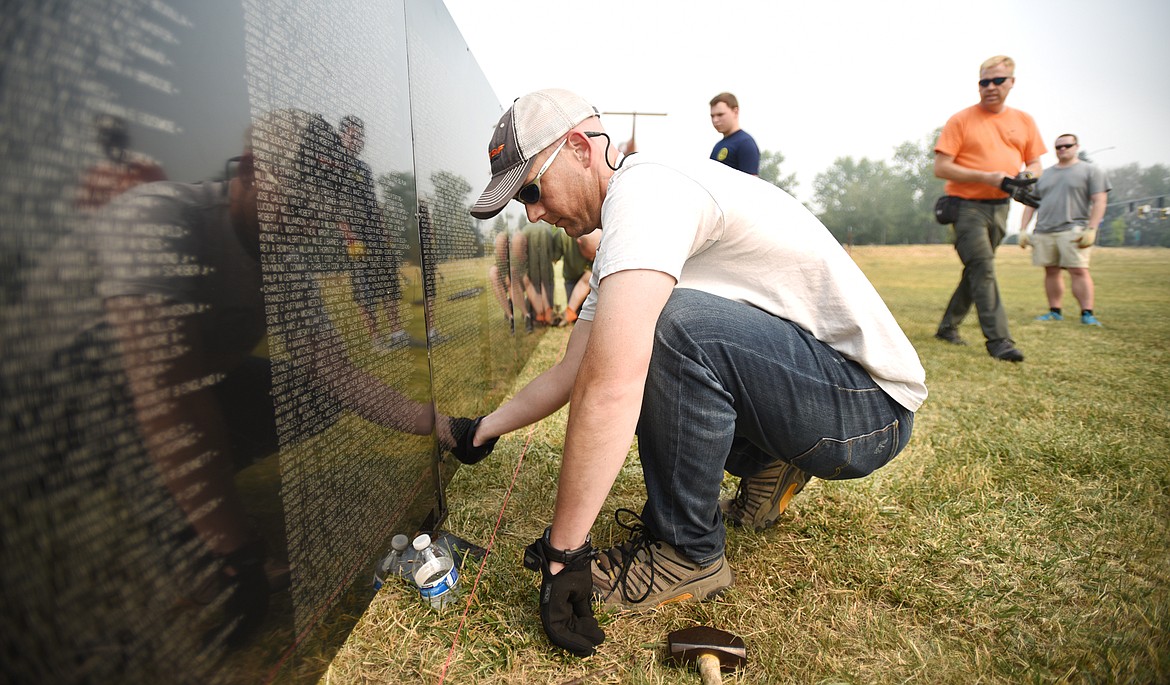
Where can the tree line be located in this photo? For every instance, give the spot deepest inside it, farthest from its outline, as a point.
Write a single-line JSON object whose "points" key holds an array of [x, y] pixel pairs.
{"points": [[885, 202]]}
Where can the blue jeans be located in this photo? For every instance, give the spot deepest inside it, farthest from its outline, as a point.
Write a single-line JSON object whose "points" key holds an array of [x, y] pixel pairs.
{"points": [[731, 387]]}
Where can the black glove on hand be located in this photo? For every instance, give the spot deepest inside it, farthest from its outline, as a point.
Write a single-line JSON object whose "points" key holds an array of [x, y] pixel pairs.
{"points": [[463, 431], [1020, 188], [566, 599]]}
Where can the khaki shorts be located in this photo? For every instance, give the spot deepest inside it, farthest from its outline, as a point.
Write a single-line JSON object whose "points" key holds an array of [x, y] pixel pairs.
{"points": [[1058, 249]]}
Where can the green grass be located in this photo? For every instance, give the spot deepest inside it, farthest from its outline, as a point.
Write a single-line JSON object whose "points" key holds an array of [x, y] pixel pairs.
{"points": [[1023, 536]]}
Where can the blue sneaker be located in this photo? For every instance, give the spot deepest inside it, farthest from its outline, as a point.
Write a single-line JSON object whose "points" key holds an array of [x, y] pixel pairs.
{"points": [[1090, 320], [1050, 316]]}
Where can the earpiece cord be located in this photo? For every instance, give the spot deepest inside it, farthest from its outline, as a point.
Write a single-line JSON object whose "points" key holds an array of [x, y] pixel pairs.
{"points": [[594, 134]]}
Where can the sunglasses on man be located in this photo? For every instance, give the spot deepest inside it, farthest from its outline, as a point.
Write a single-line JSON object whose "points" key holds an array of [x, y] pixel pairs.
{"points": [[529, 193], [244, 168], [1065, 147], [998, 80]]}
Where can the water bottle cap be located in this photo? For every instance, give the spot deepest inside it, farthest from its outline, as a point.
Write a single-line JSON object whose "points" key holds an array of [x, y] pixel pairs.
{"points": [[400, 542], [422, 542]]}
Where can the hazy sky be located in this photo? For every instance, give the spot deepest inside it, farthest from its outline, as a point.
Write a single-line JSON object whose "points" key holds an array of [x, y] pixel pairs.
{"points": [[833, 78]]}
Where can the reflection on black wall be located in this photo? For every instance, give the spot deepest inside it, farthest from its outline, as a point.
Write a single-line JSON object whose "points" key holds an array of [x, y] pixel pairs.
{"points": [[241, 296]]}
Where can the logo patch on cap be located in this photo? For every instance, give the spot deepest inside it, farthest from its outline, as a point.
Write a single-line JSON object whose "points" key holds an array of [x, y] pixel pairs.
{"points": [[492, 154]]}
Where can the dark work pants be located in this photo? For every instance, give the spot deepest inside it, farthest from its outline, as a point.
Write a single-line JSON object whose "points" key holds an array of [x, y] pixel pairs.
{"points": [[978, 232]]}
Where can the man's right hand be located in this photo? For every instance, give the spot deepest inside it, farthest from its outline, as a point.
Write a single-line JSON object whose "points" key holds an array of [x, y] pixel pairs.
{"points": [[1025, 239]]}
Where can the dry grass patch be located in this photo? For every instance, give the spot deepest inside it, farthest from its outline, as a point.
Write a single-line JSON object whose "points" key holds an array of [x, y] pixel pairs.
{"points": [[1021, 537]]}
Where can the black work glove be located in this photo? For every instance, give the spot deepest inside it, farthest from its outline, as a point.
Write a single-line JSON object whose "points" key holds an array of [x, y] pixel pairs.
{"points": [[463, 430], [566, 599], [1020, 188]]}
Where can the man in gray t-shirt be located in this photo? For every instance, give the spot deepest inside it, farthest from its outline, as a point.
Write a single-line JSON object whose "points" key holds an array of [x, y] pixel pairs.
{"points": [[1072, 195]]}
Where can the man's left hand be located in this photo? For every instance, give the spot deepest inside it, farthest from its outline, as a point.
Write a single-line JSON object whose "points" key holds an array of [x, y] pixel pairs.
{"points": [[463, 435], [1020, 188], [566, 600], [1087, 238]]}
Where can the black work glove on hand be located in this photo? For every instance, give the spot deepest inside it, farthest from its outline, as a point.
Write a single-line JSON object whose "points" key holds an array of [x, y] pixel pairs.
{"points": [[463, 431], [1020, 188], [566, 599]]}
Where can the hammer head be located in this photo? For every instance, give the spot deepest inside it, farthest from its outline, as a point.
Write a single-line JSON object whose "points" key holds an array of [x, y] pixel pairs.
{"points": [[687, 645]]}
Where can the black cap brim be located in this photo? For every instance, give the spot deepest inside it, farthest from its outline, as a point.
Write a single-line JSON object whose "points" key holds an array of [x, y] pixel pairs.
{"points": [[502, 188]]}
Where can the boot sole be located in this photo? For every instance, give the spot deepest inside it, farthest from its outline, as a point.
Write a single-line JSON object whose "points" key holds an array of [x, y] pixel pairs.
{"points": [[778, 505]]}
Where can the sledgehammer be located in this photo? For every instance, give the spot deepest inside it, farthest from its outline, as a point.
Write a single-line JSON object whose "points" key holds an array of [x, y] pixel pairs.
{"points": [[709, 649]]}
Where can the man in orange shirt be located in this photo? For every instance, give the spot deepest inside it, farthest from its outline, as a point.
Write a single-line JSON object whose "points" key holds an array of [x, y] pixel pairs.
{"points": [[980, 153]]}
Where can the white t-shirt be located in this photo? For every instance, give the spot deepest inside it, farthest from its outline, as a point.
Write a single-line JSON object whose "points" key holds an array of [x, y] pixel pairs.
{"points": [[720, 231]]}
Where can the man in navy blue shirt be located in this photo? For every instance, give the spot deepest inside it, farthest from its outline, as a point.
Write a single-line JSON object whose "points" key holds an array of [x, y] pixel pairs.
{"points": [[737, 149]]}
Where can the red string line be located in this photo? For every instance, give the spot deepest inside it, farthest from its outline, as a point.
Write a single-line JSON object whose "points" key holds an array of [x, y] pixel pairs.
{"points": [[486, 554], [492, 540]]}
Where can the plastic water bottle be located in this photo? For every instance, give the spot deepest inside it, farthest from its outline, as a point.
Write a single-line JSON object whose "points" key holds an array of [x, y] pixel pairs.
{"points": [[435, 573], [394, 564]]}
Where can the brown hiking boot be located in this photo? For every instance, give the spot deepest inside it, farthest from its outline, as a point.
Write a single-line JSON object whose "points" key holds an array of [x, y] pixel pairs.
{"points": [[761, 498], [644, 573]]}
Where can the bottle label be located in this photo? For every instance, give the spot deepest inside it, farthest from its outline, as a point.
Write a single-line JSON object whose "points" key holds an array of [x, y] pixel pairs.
{"points": [[438, 592]]}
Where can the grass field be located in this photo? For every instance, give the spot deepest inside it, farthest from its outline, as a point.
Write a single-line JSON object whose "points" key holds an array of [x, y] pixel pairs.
{"points": [[1022, 537]]}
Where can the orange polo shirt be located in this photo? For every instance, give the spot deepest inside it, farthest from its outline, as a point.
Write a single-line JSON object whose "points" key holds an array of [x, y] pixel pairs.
{"points": [[978, 139]]}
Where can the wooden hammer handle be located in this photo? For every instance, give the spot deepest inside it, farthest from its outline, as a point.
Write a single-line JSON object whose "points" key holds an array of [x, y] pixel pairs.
{"points": [[708, 665]]}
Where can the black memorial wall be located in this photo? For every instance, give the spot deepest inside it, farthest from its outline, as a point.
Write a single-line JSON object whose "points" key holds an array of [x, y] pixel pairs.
{"points": [[242, 295]]}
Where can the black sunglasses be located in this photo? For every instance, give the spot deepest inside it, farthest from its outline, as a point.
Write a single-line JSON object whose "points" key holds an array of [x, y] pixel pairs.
{"points": [[242, 167], [1065, 147], [998, 80], [529, 193]]}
